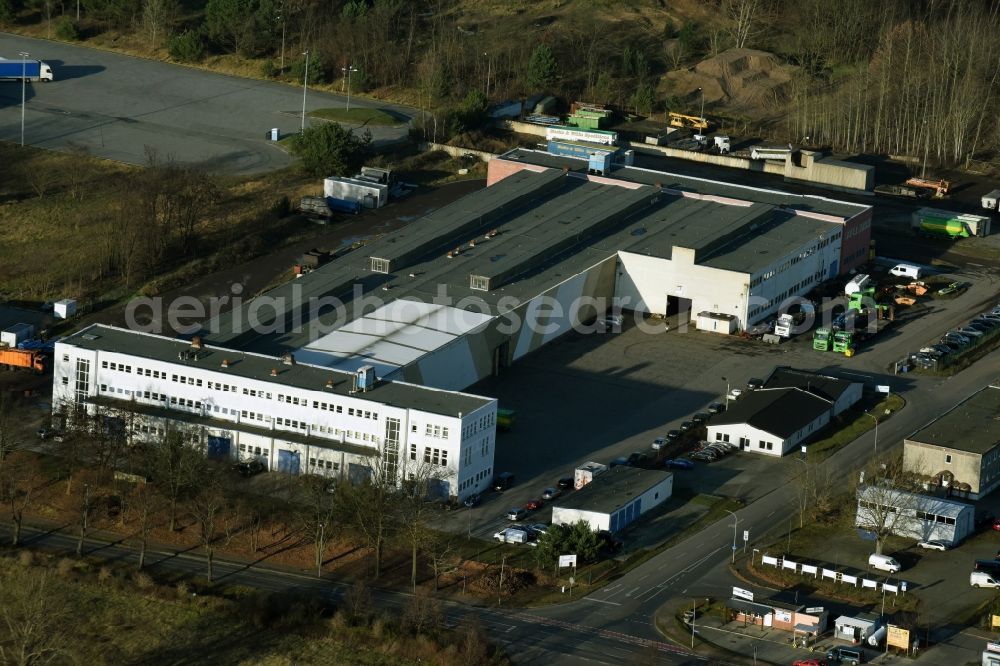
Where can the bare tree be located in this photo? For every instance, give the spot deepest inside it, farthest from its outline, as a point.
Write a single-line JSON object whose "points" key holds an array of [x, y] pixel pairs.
{"points": [[372, 505], [84, 511], [422, 613], [415, 508], [157, 16], [177, 467], [441, 551], [18, 477], [813, 491], [317, 515], [742, 18], [34, 618], [887, 498], [8, 423], [208, 506], [146, 502]]}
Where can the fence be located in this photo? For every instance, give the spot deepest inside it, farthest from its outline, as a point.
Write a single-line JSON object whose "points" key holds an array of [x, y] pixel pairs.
{"points": [[817, 571]]}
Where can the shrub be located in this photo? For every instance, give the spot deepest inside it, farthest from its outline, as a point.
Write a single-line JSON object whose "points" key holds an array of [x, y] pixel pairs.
{"points": [[66, 29], [187, 46], [65, 566], [317, 70], [330, 150], [267, 68], [143, 580], [6, 12], [104, 575], [26, 558]]}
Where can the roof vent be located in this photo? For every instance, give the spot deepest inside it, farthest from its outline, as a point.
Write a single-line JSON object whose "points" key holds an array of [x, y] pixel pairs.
{"points": [[196, 342], [329, 384], [89, 336], [225, 363], [274, 372], [288, 358]]}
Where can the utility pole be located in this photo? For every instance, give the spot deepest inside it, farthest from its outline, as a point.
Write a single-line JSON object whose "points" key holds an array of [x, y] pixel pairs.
{"points": [[503, 561], [875, 418], [350, 69], [305, 87], [702, 116], [489, 71], [281, 17], [24, 79], [694, 615], [727, 392], [319, 552], [736, 521]]}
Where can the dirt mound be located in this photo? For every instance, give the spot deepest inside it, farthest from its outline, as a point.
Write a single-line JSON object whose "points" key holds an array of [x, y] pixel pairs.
{"points": [[743, 78]]}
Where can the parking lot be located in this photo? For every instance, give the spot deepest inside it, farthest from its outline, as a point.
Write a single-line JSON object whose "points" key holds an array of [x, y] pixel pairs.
{"points": [[603, 396]]}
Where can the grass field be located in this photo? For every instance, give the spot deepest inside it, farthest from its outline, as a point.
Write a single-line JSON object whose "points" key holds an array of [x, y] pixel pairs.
{"points": [[84, 612], [357, 116], [859, 424]]}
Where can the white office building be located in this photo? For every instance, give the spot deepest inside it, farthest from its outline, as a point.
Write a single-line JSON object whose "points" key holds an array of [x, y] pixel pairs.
{"points": [[296, 418]]}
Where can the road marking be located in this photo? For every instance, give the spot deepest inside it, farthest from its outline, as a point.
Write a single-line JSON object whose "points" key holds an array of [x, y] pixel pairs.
{"points": [[632, 591], [772, 513], [603, 601]]}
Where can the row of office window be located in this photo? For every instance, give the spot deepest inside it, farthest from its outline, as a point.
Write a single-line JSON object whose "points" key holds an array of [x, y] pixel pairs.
{"points": [[474, 481], [485, 422], [317, 465], [253, 450], [920, 515], [431, 455]]}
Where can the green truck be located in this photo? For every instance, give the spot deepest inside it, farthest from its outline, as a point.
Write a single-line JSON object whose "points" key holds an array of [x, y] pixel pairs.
{"points": [[948, 224], [822, 339]]}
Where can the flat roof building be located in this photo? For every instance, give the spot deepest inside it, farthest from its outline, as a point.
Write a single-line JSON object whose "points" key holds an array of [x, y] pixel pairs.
{"points": [[614, 499], [960, 450]]}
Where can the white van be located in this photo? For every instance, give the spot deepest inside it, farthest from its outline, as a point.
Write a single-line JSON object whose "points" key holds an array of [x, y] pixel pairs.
{"points": [[906, 270], [859, 282], [883, 563], [983, 579]]}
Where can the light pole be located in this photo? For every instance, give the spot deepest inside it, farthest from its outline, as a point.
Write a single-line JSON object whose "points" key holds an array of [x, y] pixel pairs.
{"points": [[727, 392], [281, 17], [702, 116], [874, 418], [736, 521], [24, 79], [694, 615], [489, 71], [305, 87], [319, 553], [350, 69], [927, 147]]}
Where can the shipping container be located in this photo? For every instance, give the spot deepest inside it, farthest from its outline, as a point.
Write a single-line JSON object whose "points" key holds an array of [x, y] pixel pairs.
{"points": [[343, 206], [64, 309], [16, 334], [367, 193], [562, 132], [578, 149]]}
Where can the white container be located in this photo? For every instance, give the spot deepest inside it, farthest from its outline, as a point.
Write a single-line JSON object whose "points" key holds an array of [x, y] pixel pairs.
{"points": [[16, 334], [991, 201], [64, 309], [586, 472], [859, 282]]}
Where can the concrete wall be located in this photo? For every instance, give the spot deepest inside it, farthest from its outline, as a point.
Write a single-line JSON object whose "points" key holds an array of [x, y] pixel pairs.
{"points": [[907, 524], [848, 398], [522, 128], [597, 521], [648, 500], [980, 472], [737, 432], [646, 282], [811, 169], [457, 151]]}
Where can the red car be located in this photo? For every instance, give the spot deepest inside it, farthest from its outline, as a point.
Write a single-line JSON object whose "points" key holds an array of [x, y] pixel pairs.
{"points": [[809, 662], [533, 505], [996, 524]]}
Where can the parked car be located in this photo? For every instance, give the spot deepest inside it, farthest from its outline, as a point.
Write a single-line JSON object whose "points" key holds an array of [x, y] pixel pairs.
{"points": [[659, 443], [969, 329], [533, 505], [248, 468], [701, 418], [753, 383], [983, 579], [566, 482], [517, 513], [538, 528], [687, 425], [933, 544], [734, 394], [808, 662], [513, 534], [503, 481], [717, 408], [551, 493], [845, 655], [621, 461], [612, 321], [996, 525], [637, 458], [678, 463], [673, 434], [705, 455], [471, 501]]}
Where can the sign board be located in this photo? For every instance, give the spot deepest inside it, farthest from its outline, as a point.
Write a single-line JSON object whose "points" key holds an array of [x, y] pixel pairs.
{"points": [[886, 587], [810, 569], [782, 615], [768, 559], [815, 610], [994, 622], [850, 580], [742, 594], [746, 535], [567, 561], [898, 637], [881, 388], [902, 585], [869, 583], [804, 450]]}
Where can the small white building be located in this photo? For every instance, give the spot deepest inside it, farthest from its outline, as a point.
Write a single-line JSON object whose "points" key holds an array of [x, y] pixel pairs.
{"points": [[16, 334], [792, 406], [368, 193], [614, 499], [914, 515], [771, 421], [65, 308]]}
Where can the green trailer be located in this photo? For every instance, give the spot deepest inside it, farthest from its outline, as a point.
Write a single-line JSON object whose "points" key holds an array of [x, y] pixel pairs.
{"points": [[505, 419], [822, 339]]}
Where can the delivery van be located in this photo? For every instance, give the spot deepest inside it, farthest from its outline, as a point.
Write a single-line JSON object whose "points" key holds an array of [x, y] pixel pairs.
{"points": [[883, 563], [982, 579], [906, 270]]}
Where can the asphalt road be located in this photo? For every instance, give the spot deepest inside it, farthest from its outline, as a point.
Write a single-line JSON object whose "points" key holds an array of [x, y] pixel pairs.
{"points": [[119, 107]]}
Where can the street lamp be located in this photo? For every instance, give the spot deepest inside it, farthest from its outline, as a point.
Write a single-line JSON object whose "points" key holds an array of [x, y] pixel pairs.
{"points": [[319, 555], [489, 71], [875, 418], [702, 116], [305, 87], [350, 69], [727, 392], [24, 78], [736, 521]]}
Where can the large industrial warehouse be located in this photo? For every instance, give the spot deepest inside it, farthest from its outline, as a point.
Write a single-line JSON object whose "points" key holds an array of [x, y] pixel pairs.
{"points": [[456, 296]]}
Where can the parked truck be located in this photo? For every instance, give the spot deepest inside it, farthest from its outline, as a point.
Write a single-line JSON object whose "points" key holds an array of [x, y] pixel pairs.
{"points": [[18, 359], [948, 224], [991, 200], [29, 70], [791, 322]]}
